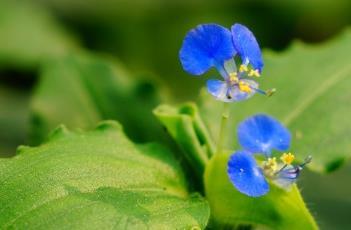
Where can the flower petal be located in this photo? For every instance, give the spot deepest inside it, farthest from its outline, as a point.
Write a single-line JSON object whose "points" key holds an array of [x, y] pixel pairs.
{"points": [[206, 46], [245, 174], [222, 91], [262, 133], [218, 89], [287, 176], [246, 45]]}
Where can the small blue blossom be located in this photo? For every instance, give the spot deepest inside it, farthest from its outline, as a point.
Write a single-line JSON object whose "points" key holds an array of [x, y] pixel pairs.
{"points": [[211, 45], [260, 134]]}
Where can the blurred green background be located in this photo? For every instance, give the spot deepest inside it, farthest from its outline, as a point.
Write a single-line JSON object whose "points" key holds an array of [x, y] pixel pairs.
{"points": [[145, 37]]}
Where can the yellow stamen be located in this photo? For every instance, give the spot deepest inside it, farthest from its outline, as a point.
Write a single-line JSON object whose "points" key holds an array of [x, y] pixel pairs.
{"points": [[243, 68], [270, 166], [244, 87], [272, 163], [287, 158], [253, 73], [233, 77]]}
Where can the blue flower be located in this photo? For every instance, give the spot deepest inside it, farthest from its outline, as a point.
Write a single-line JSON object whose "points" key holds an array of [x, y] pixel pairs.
{"points": [[260, 134], [211, 45]]}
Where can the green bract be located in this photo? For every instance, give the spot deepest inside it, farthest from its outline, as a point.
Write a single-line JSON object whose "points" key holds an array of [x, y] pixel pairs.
{"points": [[96, 180], [186, 127]]}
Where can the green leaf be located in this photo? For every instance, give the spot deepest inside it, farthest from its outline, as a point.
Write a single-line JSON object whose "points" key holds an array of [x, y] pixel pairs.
{"points": [[80, 91], [312, 99], [279, 209], [96, 180], [186, 127], [30, 34]]}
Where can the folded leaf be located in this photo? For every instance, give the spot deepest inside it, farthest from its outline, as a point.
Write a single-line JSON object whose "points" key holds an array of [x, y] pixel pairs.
{"points": [[186, 127], [96, 180], [312, 95], [278, 209]]}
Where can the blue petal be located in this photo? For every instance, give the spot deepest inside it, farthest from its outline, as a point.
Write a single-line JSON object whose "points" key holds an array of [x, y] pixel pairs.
{"points": [[246, 45], [206, 46], [246, 176], [222, 91], [262, 133]]}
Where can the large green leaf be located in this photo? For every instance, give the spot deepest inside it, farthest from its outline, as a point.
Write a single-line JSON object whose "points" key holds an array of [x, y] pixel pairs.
{"points": [[29, 34], [313, 93], [279, 209], [96, 180], [80, 90]]}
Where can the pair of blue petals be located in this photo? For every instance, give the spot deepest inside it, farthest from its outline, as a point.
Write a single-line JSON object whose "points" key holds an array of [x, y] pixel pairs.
{"points": [[257, 134], [211, 45]]}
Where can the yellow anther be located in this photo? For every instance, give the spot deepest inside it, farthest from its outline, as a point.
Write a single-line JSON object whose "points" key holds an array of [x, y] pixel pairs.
{"points": [[233, 77], [253, 73], [271, 163], [243, 68], [244, 87], [270, 166], [287, 158], [270, 92]]}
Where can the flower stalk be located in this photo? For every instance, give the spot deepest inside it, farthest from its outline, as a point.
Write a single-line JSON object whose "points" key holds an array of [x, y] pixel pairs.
{"points": [[224, 120]]}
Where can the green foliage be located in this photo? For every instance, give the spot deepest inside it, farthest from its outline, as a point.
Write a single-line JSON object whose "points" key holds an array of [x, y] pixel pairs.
{"points": [[313, 85], [279, 209], [30, 34], [79, 91], [96, 180], [99, 179]]}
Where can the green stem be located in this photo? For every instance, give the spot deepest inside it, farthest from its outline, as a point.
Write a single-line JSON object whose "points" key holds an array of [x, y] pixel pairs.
{"points": [[225, 116]]}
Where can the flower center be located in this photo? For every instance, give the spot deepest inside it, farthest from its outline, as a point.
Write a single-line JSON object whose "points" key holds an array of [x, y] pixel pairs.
{"points": [[244, 87], [235, 81], [270, 166]]}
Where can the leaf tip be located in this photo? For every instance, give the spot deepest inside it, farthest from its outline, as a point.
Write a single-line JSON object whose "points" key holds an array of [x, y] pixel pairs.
{"points": [[21, 149], [109, 125], [59, 132]]}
